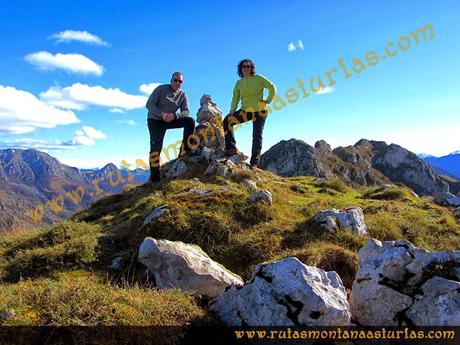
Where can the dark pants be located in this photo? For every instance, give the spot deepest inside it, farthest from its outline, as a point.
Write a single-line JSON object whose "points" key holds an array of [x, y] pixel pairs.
{"points": [[157, 130], [258, 122]]}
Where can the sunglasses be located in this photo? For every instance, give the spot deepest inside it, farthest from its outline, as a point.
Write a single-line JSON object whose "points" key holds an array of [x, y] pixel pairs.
{"points": [[178, 81], [246, 66]]}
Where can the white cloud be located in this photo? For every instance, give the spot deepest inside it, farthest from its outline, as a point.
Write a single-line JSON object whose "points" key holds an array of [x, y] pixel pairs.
{"points": [[147, 89], [87, 136], [42, 145], [292, 47], [127, 122], [300, 44], [325, 90], [21, 112], [80, 36], [81, 96], [74, 63]]}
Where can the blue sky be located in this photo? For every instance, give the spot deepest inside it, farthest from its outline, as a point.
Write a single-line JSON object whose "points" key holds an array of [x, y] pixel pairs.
{"points": [[74, 76]]}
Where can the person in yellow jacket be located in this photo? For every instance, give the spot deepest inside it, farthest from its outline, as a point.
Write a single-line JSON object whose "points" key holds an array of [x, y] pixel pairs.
{"points": [[249, 89]]}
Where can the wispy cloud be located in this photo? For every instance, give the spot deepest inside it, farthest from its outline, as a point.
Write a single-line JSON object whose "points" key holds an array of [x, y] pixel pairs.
{"points": [[81, 96], [79, 36], [38, 144], [127, 122], [21, 112], [147, 89], [72, 63], [292, 47], [325, 90], [300, 44], [85, 136], [116, 110]]}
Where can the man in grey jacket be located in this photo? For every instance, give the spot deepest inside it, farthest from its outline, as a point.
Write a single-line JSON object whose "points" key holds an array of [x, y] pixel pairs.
{"points": [[162, 107]]}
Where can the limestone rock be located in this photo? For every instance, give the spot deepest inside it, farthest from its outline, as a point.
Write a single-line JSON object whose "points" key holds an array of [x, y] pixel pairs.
{"points": [[448, 199], [116, 263], [438, 305], [249, 184], [220, 167], [177, 169], [185, 266], [400, 284], [285, 293], [352, 219], [365, 163], [261, 195], [209, 129], [7, 314], [199, 191], [156, 213]]}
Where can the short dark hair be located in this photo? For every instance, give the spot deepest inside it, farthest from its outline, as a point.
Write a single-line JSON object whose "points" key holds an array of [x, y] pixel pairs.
{"points": [[176, 73], [240, 67]]}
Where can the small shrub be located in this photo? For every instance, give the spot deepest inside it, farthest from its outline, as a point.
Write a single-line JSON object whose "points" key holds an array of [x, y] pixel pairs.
{"points": [[334, 184], [253, 213], [385, 193]]}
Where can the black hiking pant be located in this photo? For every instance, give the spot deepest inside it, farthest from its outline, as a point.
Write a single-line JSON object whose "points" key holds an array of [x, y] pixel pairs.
{"points": [[258, 122], [157, 131]]}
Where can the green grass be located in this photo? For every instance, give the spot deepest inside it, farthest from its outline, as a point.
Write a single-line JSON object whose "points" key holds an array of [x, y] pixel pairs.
{"points": [[82, 298], [232, 231]]}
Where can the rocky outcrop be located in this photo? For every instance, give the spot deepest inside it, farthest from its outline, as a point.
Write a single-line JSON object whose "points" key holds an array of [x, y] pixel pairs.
{"points": [[399, 284], [401, 165], [156, 213], [185, 266], [292, 158], [365, 163], [448, 199], [285, 293], [351, 219], [261, 195]]}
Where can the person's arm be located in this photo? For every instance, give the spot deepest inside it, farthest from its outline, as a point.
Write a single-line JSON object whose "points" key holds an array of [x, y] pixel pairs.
{"points": [[152, 102], [235, 99], [184, 110], [270, 86]]}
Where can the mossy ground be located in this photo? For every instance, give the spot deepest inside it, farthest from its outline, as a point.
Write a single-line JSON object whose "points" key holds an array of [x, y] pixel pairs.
{"points": [[72, 259]]}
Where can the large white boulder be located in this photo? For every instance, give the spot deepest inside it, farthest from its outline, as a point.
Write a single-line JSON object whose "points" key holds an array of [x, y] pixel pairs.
{"points": [[396, 281], [351, 219], [285, 293], [185, 266]]}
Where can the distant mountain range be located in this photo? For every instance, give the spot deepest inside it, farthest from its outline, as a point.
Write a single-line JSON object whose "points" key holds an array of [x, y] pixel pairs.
{"points": [[36, 189], [447, 165]]}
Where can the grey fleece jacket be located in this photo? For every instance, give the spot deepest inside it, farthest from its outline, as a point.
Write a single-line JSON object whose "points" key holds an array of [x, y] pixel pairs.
{"points": [[164, 99]]}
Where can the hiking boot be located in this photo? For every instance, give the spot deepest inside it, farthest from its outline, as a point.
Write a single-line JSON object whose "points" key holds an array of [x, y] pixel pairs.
{"points": [[254, 167]]}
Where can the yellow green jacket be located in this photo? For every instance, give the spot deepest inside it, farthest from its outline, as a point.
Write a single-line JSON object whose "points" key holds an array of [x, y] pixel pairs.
{"points": [[250, 90]]}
